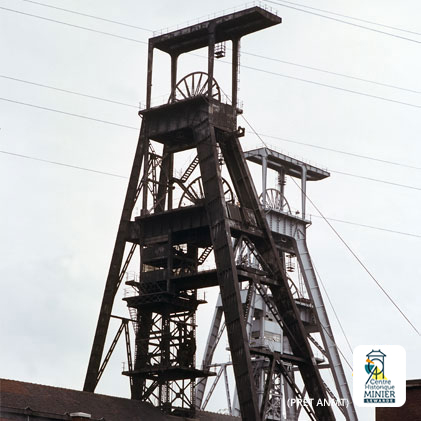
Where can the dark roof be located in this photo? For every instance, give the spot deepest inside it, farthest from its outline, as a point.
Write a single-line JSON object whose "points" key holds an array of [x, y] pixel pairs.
{"points": [[227, 27], [17, 395], [413, 383]]}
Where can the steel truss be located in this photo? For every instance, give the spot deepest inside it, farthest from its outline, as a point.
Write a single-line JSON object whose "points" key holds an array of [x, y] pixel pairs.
{"points": [[175, 240]]}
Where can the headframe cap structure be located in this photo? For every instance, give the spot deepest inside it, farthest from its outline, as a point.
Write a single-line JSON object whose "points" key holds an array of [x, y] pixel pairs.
{"points": [[278, 161], [228, 27]]}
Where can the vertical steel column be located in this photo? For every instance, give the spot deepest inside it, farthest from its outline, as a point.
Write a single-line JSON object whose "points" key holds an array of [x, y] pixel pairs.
{"points": [[174, 65], [303, 190], [264, 179], [174, 60], [211, 58], [149, 76], [148, 105], [281, 187], [145, 181], [235, 62], [308, 272], [165, 176], [170, 182]]}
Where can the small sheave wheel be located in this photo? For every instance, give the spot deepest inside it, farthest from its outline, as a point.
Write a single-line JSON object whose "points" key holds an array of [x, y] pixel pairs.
{"points": [[192, 85]]}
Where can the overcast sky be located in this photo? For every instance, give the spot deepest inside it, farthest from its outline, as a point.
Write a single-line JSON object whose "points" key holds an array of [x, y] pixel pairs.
{"points": [[58, 224]]}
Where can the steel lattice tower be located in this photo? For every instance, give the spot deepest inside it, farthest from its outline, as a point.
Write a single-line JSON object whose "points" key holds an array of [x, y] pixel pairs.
{"points": [[174, 240], [276, 379]]}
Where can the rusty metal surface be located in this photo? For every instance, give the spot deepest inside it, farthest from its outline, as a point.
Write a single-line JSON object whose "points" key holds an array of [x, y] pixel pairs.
{"points": [[114, 270], [169, 239], [231, 26], [227, 274]]}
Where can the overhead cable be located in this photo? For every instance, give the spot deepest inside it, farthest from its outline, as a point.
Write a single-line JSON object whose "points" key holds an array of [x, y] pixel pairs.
{"points": [[62, 164], [326, 85], [409, 234], [67, 91], [89, 16], [347, 246], [311, 145], [333, 308], [361, 263], [85, 28], [252, 54], [261, 134], [344, 21], [352, 17], [54, 110], [243, 66], [330, 72], [136, 128], [376, 180]]}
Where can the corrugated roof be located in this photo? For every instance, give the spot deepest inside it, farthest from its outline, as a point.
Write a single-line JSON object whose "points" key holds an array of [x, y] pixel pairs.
{"points": [[60, 401]]}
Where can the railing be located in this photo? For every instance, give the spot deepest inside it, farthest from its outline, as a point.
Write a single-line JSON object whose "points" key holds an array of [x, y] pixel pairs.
{"points": [[164, 99], [214, 15]]}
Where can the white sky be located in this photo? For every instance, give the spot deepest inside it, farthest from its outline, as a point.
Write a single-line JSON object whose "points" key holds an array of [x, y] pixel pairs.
{"points": [[58, 224]]}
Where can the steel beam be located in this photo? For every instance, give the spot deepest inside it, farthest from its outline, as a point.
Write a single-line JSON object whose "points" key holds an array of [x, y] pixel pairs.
{"points": [[326, 333], [285, 303], [227, 273], [114, 270]]}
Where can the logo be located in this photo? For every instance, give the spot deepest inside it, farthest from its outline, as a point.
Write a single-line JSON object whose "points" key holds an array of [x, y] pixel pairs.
{"points": [[375, 360], [379, 375]]}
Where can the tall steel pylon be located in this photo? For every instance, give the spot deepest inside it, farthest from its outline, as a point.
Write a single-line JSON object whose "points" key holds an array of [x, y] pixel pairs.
{"points": [[275, 385], [211, 217]]}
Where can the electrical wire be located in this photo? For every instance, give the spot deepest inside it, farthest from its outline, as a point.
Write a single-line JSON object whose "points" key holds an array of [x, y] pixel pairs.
{"points": [[344, 21], [261, 134], [62, 164], [67, 91], [369, 226], [358, 259], [136, 128], [337, 347], [339, 172], [54, 110], [376, 180], [329, 72], [243, 66], [347, 246], [87, 15], [400, 164], [326, 85], [74, 26], [122, 176], [283, 1], [351, 17], [331, 304], [252, 54], [117, 124]]}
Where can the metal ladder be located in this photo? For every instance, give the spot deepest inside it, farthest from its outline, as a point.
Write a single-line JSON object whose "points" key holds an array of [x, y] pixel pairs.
{"points": [[190, 170]]}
